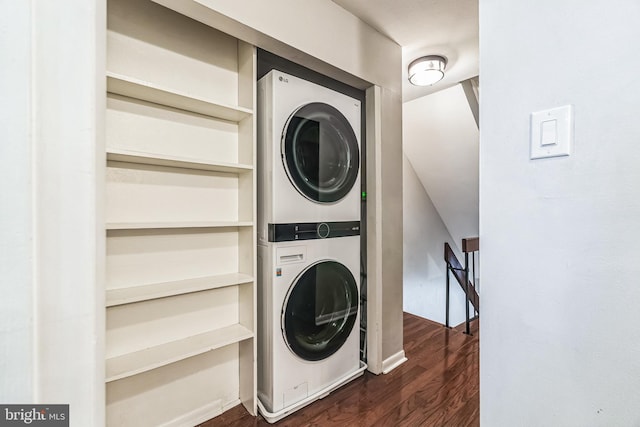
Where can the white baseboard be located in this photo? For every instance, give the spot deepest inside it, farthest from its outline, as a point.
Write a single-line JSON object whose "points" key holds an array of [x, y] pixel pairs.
{"points": [[202, 414], [392, 362]]}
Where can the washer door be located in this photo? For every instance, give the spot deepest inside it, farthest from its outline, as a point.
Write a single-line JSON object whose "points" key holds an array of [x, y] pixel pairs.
{"points": [[320, 152], [320, 310]]}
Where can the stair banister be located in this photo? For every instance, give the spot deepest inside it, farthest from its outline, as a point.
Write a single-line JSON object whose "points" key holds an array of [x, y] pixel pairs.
{"points": [[469, 246]]}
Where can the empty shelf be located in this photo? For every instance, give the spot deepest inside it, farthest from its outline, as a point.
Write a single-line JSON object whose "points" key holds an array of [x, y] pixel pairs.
{"points": [[145, 91], [171, 224], [174, 161], [160, 290], [154, 357]]}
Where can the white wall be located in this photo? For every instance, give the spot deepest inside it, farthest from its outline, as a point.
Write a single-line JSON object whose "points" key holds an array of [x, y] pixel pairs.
{"points": [[16, 253], [440, 142], [319, 34], [51, 224], [560, 236], [425, 271], [440, 138], [389, 217]]}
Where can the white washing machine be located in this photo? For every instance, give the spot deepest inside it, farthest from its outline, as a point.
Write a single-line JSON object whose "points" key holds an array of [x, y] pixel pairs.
{"points": [[308, 151], [308, 315]]}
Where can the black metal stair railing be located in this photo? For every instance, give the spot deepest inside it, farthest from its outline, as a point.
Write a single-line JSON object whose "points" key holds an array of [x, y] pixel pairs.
{"points": [[469, 246]]}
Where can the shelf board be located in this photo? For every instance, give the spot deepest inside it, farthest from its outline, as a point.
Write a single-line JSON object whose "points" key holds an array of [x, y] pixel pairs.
{"points": [[129, 156], [146, 91], [176, 224], [165, 289], [154, 357]]}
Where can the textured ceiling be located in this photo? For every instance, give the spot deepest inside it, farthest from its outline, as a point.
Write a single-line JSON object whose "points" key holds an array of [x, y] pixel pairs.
{"points": [[426, 27]]}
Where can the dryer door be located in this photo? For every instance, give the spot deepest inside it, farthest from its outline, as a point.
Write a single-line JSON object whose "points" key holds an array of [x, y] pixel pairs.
{"points": [[320, 310], [320, 152]]}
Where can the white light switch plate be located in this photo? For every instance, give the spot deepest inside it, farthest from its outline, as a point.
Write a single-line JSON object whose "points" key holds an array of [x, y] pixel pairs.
{"points": [[552, 132]]}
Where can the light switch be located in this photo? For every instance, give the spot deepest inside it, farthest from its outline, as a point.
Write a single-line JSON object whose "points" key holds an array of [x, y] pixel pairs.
{"points": [[549, 132], [552, 132]]}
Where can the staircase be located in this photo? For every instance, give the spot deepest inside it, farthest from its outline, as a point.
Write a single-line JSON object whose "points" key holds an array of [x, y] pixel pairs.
{"points": [[464, 276]]}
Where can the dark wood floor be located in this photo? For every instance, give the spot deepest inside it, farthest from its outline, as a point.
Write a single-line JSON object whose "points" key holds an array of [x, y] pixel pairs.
{"points": [[437, 386]]}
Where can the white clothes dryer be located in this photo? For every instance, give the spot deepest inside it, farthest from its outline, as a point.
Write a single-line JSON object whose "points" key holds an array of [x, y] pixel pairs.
{"points": [[308, 151], [308, 316]]}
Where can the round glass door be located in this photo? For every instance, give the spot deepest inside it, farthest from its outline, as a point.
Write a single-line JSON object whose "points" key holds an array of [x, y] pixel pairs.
{"points": [[320, 152], [320, 310]]}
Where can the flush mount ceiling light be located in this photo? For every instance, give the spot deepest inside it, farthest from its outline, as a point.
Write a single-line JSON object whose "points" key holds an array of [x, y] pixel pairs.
{"points": [[427, 70]]}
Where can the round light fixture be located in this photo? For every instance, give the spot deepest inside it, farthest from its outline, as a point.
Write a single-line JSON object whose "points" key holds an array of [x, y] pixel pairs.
{"points": [[427, 70]]}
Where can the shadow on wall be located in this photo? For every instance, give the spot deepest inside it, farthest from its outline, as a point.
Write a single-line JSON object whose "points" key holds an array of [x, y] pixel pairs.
{"points": [[423, 245], [440, 139]]}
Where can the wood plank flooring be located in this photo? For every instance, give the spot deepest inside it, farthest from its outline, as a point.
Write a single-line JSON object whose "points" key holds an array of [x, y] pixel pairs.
{"points": [[437, 386]]}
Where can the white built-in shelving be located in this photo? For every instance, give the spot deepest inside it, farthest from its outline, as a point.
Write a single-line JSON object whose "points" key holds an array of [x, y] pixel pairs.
{"points": [[151, 291], [134, 363], [135, 88], [184, 224], [128, 156], [180, 218]]}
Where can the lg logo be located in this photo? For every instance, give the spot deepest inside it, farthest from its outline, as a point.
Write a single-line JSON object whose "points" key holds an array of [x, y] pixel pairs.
{"points": [[282, 79]]}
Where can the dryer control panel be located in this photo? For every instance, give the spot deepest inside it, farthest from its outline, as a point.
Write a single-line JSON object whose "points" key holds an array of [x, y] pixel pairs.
{"points": [[312, 230]]}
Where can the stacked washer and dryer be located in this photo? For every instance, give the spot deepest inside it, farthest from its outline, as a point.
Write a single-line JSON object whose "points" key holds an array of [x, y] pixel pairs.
{"points": [[309, 242]]}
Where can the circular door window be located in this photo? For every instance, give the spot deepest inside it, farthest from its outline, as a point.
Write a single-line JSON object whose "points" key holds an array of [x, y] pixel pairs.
{"points": [[320, 310], [320, 152]]}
